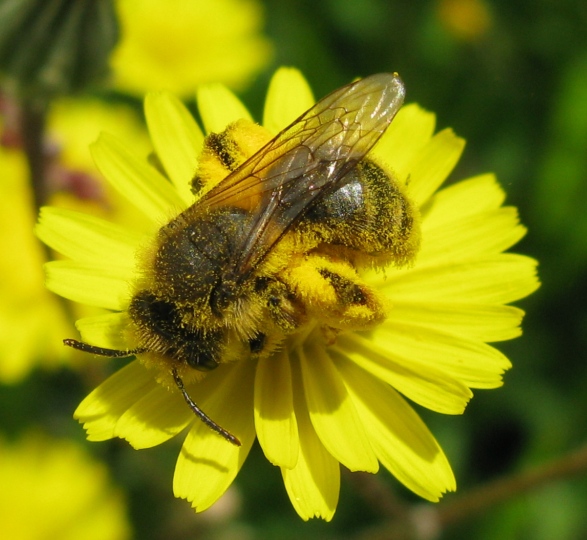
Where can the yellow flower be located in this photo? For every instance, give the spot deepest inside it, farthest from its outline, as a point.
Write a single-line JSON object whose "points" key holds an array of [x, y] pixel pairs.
{"points": [[468, 20], [51, 489], [32, 321], [313, 405], [178, 44], [73, 124]]}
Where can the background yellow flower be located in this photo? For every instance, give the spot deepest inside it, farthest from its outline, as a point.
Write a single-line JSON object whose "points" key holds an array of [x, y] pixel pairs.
{"points": [[51, 488], [33, 323], [178, 44], [31, 320]]}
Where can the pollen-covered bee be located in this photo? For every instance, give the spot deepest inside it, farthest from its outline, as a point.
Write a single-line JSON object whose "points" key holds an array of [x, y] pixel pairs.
{"points": [[277, 246]]}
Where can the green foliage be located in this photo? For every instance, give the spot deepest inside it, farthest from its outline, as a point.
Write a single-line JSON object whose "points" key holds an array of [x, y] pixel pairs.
{"points": [[54, 47]]}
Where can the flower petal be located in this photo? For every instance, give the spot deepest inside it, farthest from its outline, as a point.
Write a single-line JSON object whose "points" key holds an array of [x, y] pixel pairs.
{"points": [[275, 420], [497, 279], [332, 412], [208, 463], [432, 165], [483, 322], [288, 97], [219, 107], [101, 409], [105, 330], [479, 235], [475, 364], [89, 283], [154, 418], [430, 387], [136, 180], [86, 238], [475, 195], [313, 485], [410, 130], [177, 139], [402, 442]]}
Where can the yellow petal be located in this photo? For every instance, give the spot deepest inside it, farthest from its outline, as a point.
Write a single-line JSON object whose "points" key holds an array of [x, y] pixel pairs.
{"points": [[479, 235], [208, 463], [332, 412], [136, 180], [219, 107], [89, 283], [402, 442], [86, 238], [313, 485], [497, 279], [475, 321], [476, 195], [176, 137], [105, 330], [288, 97], [475, 364], [275, 420], [410, 130], [100, 410], [154, 418], [432, 165], [430, 387]]}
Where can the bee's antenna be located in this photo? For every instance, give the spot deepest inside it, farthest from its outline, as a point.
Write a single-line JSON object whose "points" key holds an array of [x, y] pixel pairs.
{"points": [[201, 414], [115, 353], [101, 351]]}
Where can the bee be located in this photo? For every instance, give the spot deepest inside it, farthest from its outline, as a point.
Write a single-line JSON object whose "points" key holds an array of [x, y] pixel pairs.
{"points": [[277, 246]]}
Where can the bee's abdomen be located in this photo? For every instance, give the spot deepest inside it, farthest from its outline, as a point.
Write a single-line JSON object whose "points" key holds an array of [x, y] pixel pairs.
{"points": [[369, 214]]}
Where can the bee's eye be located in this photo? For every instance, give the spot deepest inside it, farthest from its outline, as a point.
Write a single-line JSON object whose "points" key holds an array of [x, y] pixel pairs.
{"points": [[158, 315]]}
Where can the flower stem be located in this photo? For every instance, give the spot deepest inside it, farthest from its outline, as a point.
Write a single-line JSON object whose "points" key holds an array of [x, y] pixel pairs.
{"points": [[427, 522], [32, 128], [32, 118], [506, 488], [378, 496]]}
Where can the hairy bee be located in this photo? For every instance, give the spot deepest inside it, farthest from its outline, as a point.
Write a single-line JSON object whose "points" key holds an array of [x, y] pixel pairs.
{"points": [[276, 246]]}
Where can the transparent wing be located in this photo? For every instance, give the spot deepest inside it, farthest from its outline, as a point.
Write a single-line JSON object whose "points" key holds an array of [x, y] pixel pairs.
{"points": [[307, 160]]}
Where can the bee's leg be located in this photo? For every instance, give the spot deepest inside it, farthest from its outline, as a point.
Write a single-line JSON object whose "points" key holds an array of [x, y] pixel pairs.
{"points": [[334, 294], [285, 308], [347, 291], [356, 305]]}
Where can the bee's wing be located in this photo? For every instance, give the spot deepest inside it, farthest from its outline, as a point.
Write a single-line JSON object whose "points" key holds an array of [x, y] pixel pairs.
{"points": [[306, 160]]}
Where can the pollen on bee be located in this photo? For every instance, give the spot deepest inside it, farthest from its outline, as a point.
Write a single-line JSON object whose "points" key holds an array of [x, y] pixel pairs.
{"points": [[334, 293], [224, 152]]}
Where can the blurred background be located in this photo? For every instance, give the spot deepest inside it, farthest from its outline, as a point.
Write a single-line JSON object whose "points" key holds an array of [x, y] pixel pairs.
{"points": [[509, 77]]}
